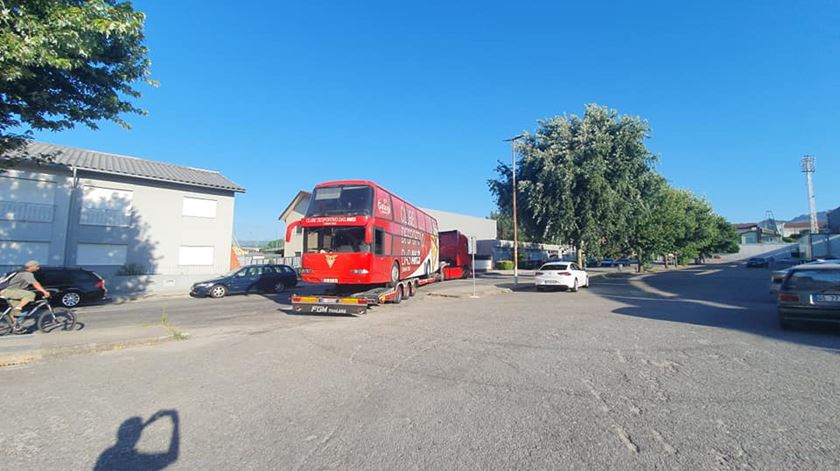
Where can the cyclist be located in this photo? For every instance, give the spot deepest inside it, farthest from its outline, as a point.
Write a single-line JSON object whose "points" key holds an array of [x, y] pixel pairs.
{"points": [[18, 287]]}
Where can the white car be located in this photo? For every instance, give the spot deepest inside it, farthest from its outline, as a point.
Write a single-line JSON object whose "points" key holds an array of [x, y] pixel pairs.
{"points": [[561, 275]]}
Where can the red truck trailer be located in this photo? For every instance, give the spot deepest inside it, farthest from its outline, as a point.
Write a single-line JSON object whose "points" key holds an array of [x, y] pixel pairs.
{"points": [[359, 236]]}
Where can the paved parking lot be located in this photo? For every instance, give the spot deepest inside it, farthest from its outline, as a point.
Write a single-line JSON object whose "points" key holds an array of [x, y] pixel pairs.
{"points": [[681, 369]]}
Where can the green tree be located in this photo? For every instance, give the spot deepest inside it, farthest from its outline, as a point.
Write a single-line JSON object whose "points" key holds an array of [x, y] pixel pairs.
{"points": [[579, 179], [66, 62]]}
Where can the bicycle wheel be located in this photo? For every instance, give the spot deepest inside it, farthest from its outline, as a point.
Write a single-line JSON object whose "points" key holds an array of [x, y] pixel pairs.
{"points": [[59, 319], [5, 327]]}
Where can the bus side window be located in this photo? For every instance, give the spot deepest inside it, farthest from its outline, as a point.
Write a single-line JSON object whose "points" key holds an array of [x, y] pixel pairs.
{"points": [[378, 242]]}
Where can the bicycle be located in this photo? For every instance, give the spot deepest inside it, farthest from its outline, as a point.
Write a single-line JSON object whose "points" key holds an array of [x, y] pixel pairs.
{"points": [[47, 320]]}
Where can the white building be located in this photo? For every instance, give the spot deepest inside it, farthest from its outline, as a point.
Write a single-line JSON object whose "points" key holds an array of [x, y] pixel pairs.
{"points": [[141, 224]]}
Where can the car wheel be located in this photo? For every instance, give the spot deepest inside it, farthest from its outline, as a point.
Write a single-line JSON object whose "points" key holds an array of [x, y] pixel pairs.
{"points": [[575, 286], [218, 291], [70, 299], [280, 287]]}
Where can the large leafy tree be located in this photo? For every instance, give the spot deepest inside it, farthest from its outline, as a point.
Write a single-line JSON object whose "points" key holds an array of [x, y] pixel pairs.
{"points": [[64, 63], [580, 180]]}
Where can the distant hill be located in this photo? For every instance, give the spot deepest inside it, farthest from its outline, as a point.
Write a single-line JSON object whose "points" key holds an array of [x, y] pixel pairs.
{"points": [[822, 217], [253, 243]]}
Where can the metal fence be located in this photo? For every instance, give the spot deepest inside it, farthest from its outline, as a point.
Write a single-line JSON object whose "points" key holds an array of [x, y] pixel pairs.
{"points": [[268, 259]]}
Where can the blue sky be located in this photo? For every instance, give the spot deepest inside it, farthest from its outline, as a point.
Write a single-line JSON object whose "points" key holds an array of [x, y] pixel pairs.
{"points": [[419, 95]]}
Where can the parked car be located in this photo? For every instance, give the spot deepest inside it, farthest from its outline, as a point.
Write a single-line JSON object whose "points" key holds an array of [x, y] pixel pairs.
{"points": [[758, 262], [607, 262], [72, 286], [251, 278], [565, 275], [778, 276], [810, 293], [623, 262], [591, 262]]}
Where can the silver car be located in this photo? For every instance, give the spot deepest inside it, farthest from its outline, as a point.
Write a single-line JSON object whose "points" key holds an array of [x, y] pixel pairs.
{"points": [[810, 293]]}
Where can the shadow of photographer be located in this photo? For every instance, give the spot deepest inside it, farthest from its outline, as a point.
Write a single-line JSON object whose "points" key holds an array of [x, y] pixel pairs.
{"points": [[125, 455]]}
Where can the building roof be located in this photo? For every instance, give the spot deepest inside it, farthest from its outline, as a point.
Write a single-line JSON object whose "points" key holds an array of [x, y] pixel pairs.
{"points": [[114, 164], [295, 201], [801, 225]]}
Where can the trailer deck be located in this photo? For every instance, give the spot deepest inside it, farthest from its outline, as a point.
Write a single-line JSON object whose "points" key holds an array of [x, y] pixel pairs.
{"points": [[358, 303]]}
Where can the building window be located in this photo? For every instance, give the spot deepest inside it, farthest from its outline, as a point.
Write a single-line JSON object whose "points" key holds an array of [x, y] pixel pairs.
{"points": [[101, 254], [19, 252], [198, 207], [195, 255], [378, 242], [26, 200], [106, 207]]}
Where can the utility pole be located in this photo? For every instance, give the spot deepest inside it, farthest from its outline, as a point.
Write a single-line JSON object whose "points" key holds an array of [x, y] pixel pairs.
{"points": [[512, 141], [808, 169]]}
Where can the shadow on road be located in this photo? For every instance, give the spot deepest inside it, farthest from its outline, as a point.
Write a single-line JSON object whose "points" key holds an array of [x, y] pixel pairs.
{"points": [[125, 455], [728, 297]]}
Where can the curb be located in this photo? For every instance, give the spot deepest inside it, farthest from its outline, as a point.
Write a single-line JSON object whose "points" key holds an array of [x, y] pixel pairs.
{"points": [[93, 347]]}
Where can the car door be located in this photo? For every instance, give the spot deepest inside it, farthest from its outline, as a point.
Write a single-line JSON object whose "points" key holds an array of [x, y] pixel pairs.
{"points": [[289, 275], [242, 280], [269, 278]]}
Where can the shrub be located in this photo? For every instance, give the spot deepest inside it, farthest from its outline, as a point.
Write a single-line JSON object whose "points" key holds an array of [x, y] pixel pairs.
{"points": [[504, 265]]}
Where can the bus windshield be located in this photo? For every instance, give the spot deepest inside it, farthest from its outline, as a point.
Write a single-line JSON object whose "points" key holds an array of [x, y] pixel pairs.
{"points": [[335, 239], [345, 200]]}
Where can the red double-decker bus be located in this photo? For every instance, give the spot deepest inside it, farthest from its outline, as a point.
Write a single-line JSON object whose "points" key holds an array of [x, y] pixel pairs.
{"points": [[357, 233]]}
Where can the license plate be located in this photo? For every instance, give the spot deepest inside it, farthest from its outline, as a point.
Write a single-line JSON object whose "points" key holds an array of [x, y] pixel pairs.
{"points": [[551, 282], [827, 298], [330, 280]]}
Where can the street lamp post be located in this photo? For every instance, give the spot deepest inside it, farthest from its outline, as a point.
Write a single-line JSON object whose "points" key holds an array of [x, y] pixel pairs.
{"points": [[512, 141]]}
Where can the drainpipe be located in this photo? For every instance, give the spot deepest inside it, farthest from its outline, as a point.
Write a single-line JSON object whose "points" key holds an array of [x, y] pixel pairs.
{"points": [[70, 205]]}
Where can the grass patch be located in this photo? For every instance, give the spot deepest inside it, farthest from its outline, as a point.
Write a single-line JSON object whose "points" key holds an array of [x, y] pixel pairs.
{"points": [[173, 331]]}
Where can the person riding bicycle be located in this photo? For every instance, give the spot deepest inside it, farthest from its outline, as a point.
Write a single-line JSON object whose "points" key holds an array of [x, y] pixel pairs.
{"points": [[18, 287]]}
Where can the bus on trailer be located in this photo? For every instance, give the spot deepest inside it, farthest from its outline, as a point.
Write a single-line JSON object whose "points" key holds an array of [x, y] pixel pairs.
{"points": [[357, 233]]}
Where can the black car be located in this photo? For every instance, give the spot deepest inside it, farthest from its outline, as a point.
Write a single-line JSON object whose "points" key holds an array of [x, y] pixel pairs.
{"points": [[251, 278], [72, 286], [758, 262]]}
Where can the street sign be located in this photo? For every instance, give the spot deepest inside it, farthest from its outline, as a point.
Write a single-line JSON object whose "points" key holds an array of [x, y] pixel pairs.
{"points": [[471, 249]]}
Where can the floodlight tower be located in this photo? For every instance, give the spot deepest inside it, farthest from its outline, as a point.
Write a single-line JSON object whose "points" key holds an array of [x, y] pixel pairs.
{"points": [[808, 170]]}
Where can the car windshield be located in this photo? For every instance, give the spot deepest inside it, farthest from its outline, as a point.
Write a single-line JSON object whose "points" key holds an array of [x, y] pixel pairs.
{"points": [[554, 267], [341, 201], [335, 239], [813, 280]]}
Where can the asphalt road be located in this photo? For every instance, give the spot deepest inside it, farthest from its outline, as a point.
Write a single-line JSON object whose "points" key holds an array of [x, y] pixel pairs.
{"points": [[684, 369]]}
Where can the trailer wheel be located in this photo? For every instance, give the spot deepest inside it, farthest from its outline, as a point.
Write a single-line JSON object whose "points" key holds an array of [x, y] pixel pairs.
{"points": [[399, 297], [412, 288], [395, 274]]}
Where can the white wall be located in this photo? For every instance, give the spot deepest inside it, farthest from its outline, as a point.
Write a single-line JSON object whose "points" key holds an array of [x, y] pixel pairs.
{"points": [[471, 226]]}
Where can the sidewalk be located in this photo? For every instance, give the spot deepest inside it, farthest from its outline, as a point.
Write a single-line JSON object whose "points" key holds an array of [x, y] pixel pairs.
{"points": [[20, 349]]}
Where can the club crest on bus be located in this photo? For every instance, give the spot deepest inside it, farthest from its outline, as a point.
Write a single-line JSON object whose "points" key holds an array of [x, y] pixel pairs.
{"points": [[330, 259], [384, 206]]}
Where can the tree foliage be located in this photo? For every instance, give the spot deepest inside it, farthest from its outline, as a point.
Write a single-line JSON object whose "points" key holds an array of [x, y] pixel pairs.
{"points": [[590, 182], [67, 62]]}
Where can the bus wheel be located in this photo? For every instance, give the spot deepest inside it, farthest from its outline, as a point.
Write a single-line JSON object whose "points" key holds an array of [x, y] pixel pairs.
{"points": [[412, 288], [395, 274], [399, 297]]}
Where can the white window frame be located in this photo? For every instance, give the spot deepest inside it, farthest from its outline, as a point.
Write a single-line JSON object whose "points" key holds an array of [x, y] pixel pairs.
{"points": [[191, 256], [192, 207]]}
